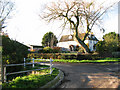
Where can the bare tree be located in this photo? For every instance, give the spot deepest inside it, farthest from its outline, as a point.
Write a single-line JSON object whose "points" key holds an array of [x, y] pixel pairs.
{"points": [[5, 9], [76, 13]]}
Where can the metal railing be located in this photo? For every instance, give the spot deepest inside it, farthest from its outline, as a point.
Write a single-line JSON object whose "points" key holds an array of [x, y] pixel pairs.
{"points": [[49, 62]]}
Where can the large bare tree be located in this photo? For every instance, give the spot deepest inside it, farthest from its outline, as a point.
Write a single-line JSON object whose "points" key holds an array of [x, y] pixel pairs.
{"points": [[76, 13], [6, 7]]}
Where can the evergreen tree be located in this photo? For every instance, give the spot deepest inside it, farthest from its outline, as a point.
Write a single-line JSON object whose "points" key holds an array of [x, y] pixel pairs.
{"points": [[49, 39]]}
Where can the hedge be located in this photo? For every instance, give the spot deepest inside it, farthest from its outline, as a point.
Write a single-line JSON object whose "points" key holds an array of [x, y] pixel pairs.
{"points": [[13, 52], [64, 56]]}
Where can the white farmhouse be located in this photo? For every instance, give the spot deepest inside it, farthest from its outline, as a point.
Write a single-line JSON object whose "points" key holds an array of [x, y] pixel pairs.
{"points": [[70, 42]]}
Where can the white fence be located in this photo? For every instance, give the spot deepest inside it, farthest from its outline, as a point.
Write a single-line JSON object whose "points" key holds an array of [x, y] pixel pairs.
{"points": [[45, 62]]}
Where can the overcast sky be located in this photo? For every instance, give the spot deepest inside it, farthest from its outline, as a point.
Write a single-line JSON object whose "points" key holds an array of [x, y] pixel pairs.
{"points": [[26, 26]]}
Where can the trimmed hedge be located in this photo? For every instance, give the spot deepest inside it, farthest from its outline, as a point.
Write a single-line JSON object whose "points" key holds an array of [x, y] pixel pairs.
{"points": [[116, 54], [64, 56], [50, 50]]}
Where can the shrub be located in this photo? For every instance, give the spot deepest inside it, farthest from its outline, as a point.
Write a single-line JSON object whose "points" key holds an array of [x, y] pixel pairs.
{"points": [[41, 51], [48, 50], [63, 56], [88, 56], [56, 49], [13, 52], [109, 45], [77, 48], [81, 50], [116, 54], [73, 56], [100, 47]]}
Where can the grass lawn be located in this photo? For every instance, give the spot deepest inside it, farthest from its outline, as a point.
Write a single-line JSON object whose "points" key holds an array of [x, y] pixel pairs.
{"points": [[88, 61]]}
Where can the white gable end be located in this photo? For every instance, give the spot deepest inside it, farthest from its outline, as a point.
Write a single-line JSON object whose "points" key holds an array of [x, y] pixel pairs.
{"points": [[67, 44]]}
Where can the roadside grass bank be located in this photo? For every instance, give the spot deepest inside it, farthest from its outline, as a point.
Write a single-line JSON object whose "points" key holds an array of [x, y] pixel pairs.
{"points": [[32, 80], [27, 67], [103, 60]]}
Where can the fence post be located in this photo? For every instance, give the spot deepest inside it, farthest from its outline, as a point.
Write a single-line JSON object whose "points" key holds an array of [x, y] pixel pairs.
{"points": [[50, 65], [5, 77], [24, 62], [33, 63], [2, 70]]}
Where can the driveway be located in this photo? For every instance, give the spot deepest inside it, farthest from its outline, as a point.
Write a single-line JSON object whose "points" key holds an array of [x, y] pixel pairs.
{"points": [[82, 75]]}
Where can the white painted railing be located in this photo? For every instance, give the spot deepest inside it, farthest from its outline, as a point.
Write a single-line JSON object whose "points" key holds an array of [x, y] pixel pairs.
{"points": [[49, 62]]}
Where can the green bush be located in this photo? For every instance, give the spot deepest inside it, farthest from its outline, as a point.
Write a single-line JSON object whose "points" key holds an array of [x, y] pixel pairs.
{"points": [[100, 47], [81, 50], [109, 45], [116, 54], [87, 57], [48, 50], [56, 51], [41, 51], [64, 56], [13, 52]]}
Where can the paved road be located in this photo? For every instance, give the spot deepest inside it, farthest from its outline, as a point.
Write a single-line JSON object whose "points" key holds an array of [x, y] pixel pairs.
{"points": [[89, 75]]}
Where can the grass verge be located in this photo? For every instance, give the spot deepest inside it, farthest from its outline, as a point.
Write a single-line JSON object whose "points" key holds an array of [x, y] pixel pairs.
{"points": [[31, 81], [28, 67], [88, 61]]}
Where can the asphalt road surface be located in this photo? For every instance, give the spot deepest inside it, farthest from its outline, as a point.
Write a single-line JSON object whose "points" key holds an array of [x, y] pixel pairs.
{"points": [[82, 75]]}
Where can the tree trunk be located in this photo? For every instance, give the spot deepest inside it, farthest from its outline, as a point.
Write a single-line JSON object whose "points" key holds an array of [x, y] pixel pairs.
{"points": [[83, 45]]}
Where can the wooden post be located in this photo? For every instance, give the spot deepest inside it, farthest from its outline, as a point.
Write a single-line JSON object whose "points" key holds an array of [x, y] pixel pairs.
{"points": [[5, 77], [24, 62], [2, 70], [33, 63], [50, 65]]}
